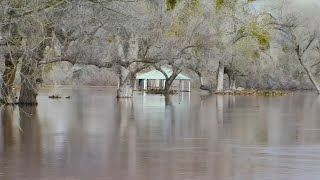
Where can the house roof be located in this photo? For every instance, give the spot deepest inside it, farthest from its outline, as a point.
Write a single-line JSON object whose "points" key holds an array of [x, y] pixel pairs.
{"points": [[155, 74]]}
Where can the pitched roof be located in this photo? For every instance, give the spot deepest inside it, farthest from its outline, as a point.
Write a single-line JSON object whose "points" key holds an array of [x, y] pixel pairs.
{"points": [[155, 74]]}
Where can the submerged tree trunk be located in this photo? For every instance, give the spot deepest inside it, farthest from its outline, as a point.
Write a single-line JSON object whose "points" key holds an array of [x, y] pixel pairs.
{"points": [[31, 74], [232, 82], [167, 86], [169, 82], [126, 79], [232, 77], [201, 81], [220, 77], [310, 75], [29, 77], [8, 77]]}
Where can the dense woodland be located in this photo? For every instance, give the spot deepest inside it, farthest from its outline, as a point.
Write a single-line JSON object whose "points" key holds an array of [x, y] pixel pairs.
{"points": [[216, 38]]}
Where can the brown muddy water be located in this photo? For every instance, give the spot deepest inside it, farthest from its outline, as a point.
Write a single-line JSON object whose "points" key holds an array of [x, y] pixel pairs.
{"points": [[93, 136]]}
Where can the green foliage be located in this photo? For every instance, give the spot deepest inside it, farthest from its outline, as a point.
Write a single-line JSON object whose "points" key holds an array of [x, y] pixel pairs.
{"points": [[176, 30], [258, 32], [55, 2], [219, 4], [191, 8], [195, 3], [109, 39], [15, 40], [48, 67], [171, 4], [242, 31], [197, 50], [285, 48], [18, 3], [247, 51]]}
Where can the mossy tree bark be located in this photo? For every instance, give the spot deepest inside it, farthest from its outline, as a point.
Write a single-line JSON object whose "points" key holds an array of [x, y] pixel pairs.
{"points": [[31, 71], [126, 79], [129, 61], [8, 77], [29, 76], [12, 44]]}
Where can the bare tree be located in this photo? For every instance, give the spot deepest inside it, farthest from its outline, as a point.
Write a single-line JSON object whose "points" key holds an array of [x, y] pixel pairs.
{"points": [[300, 38], [20, 22], [35, 23]]}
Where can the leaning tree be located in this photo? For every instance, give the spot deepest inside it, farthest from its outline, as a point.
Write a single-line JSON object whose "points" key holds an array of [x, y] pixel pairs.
{"points": [[299, 36]]}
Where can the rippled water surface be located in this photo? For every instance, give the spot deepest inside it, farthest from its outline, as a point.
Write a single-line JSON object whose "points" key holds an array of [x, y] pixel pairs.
{"points": [[93, 136]]}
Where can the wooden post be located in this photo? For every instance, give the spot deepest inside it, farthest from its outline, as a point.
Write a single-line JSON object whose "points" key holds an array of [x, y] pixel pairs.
{"points": [[182, 88], [145, 84]]}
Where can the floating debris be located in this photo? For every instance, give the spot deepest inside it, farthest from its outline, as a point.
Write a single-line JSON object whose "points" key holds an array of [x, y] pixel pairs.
{"points": [[55, 97], [160, 91], [255, 92]]}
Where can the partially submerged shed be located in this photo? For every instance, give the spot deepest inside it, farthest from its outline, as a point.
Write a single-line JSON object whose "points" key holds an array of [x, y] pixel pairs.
{"points": [[156, 80]]}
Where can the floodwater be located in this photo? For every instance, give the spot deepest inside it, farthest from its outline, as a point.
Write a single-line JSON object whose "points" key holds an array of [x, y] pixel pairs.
{"points": [[93, 136]]}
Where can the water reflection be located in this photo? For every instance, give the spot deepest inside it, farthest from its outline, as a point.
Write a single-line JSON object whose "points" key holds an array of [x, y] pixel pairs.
{"points": [[10, 127], [95, 136]]}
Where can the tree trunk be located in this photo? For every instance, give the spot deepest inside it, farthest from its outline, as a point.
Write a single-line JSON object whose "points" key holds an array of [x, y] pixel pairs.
{"points": [[8, 77], [201, 80], [167, 86], [31, 74], [232, 77], [311, 76], [126, 79], [220, 76], [232, 82], [29, 77], [167, 100], [169, 82]]}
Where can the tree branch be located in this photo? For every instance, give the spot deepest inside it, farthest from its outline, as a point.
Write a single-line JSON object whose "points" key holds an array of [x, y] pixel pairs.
{"points": [[316, 64], [74, 61], [164, 73], [309, 44]]}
